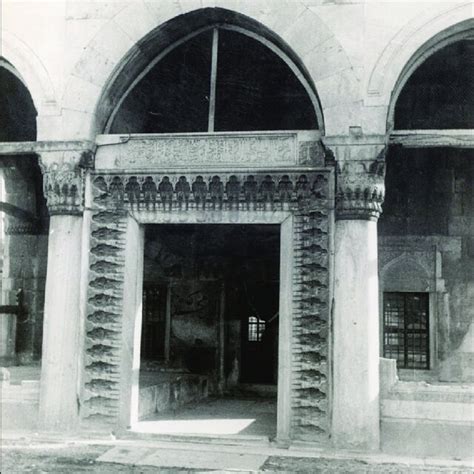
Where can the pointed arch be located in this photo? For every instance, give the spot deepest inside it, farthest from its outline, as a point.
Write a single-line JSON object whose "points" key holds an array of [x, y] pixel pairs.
{"points": [[409, 43], [162, 40], [450, 36], [130, 36]]}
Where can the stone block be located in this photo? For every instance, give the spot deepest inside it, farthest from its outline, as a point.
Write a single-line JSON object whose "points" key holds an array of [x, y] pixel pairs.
{"points": [[388, 374], [164, 11], [112, 42], [82, 95], [346, 23], [307, 33], [7, 339], [77, 125], [4, 374], [423, 438], [49, 127], [339, 89], [94, 67], [326, 60], [374, 120], [93, 10], [136, 21], [281, 18], [339, 118]]}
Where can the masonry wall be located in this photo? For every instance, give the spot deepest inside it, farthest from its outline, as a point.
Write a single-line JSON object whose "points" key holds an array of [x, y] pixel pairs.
{"points": [[428, 223]]}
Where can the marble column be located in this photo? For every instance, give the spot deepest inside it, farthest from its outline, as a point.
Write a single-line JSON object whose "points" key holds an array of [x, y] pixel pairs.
{"points": [[60, 366], [360, 191]]}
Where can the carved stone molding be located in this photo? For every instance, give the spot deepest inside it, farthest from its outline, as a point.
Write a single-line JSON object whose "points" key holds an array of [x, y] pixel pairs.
{"points": [[360, 188], [257, 191], [63, 182]]}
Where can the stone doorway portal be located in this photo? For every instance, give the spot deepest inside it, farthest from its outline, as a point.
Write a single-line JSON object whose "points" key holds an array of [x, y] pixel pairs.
{"points": [[295, 200]]}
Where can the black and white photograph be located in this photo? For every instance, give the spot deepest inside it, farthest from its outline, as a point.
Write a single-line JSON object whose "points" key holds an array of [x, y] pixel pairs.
{"points": [[236, 236]]}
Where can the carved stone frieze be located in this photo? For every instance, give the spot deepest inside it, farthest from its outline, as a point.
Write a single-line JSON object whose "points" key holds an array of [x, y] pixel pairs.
{"points": [[223, 191], [63, 182], [360, 188]]}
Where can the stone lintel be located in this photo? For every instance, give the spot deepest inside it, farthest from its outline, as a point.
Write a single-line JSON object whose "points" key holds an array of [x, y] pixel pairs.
{"points": [[231, 150]]}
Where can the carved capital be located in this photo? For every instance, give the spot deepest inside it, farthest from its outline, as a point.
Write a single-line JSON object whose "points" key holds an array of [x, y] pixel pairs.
{"points": [[360, 188], [63, 182]]}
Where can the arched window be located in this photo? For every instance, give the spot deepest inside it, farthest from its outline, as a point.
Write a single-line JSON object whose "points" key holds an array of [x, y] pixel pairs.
{"points": [[220, 79], [440, 93]]}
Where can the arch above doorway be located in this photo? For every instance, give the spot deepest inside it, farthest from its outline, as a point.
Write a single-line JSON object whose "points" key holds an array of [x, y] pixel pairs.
{"points": [[163, 39]]}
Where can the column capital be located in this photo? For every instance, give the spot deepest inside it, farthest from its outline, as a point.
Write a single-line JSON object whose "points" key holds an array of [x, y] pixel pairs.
{"points": [[360, 182], [63, 180]]}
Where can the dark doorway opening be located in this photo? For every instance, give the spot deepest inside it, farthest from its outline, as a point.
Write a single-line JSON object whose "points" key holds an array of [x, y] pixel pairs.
{"points": [[259, 331], [210, 328]]}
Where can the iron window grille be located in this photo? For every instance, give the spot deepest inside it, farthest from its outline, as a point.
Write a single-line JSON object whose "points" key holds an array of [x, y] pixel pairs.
{"points": [[406, 329]]}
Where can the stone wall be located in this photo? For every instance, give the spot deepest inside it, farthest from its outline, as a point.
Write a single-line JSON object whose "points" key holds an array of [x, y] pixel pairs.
{"points": [[25, 253], [428, 224]]}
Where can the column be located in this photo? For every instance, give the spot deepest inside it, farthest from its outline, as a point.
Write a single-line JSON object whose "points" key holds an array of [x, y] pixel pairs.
{"points": [[61, 358], [360, 191]]}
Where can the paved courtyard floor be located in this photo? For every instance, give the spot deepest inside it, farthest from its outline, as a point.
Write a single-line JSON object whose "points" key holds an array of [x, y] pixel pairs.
{"points": [[217, 416], [26, 454]]}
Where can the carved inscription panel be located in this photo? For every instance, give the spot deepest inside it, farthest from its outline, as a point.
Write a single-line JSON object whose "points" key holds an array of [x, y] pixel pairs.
{"points": [[195, 151]]}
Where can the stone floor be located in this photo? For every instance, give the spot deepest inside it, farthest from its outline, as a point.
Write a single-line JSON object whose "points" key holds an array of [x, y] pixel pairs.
{"points": [[34, 455], [217, 416]]}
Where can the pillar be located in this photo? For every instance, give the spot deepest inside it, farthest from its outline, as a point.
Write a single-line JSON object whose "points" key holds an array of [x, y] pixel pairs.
{"points": [[60, 367], [356, 411]]}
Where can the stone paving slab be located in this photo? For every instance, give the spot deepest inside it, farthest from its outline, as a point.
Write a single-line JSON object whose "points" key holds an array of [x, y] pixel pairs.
{"points": [[189, 459], [125, 455]]}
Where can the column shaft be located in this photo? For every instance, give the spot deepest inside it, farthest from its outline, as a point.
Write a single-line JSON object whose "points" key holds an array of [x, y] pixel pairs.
{"points": [[60, 363], [356, 335]]}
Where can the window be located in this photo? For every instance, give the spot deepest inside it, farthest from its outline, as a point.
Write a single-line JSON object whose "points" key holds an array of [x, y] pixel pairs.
{"points": [[218, 80], [406, 329], [256, 328], [439, 93]]}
